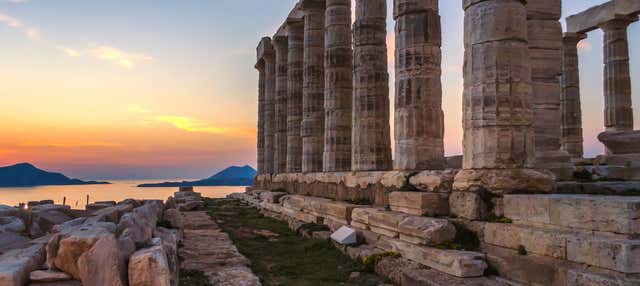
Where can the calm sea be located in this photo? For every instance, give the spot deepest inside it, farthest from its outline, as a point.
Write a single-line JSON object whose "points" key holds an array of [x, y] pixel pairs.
{"points": [[117, 191]]}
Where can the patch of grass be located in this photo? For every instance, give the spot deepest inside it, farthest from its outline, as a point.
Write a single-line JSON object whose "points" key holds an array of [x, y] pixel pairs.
{"points": [[502, 219], [369, 262], [289, 260], [193, 278], [311, 228]]}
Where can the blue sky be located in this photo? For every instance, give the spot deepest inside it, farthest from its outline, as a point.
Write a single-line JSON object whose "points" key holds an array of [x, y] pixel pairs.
{"points": [[167, 88]]}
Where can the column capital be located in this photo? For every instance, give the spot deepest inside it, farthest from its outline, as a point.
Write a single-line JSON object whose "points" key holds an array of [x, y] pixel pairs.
{"points": [[619, 22], [312, 4]]}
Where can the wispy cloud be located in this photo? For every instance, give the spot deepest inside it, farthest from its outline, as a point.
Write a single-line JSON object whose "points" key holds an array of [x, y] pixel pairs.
{"points": [[32, 33], [69, 144], [191, 125], [119, 57], [135, 108], [70, 52], [10, 21]]}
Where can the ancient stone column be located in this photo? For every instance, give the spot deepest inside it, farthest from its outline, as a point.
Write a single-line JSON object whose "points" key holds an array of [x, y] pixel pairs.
{"points": [[419, 120], [260, 67], [313, 86], [572, 139], [338, 89], [371, 140], [281, 45], [618, 114], [545, 52], [294, 98], [269, 107], [497, 111]]}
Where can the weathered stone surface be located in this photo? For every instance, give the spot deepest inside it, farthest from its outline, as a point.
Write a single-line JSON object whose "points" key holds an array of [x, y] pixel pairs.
{"points": [[338, 89], [102, 264], [48, 276], [312, 126], [113, 213], [12, 241], [345, 236], [420, 203], [169, 242], [538, 241], [419, 119], [468, 205], [431, 277], [593, 17], [149, 267], [570, 97], [294, 95], [505, 181], [261, 114], [16, 265], [371, 139], [174, 218], [456, 263], [621, 142], [11, 224], [64, 250], [361, 215], [393, 268], [385, 222], [43, 220], [425, 230], [434, 181], [8, 211], [272, 197], [281, 46], [598, 213]]}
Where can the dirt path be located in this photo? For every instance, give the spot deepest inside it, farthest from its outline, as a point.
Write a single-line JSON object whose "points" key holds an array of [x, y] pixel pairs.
{"points": [[207, 249], [281, 257]]}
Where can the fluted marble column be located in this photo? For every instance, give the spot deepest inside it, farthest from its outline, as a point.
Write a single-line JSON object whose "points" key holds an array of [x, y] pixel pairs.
{"points": [[313, 86], [545, 52], [617, 80], [371, 140], [261, 89], [572, 139], [294, 98], [338, 90], [281, 45], [419, 119], [269, 107], [497, 110]]}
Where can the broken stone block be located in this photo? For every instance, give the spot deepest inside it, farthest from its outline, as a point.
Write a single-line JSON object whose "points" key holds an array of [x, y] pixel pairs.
{"points": [[112, 213], [425, 230], [468, 205], [340, 211], [149, 267], [48, 276], [272, 197], [361, 215], [345, 236], [11, 224], [12, 241], [420, 203], [434, 181], [16, 265], [174, 218], [8, 211], [102, 264], [618, 214], [505, 181], [457, 263], [64, 250], [615, 254], [534, 240]]}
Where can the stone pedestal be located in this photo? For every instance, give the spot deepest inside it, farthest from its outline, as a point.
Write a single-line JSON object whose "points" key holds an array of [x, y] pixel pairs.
{"points": [[261, 102], [572, 139], [294, 95], [498, 114], [338, 92], [281, 45], [618, 114], [545, 51], [419, 119], [313, 86], [269, 107], [371, 141]]}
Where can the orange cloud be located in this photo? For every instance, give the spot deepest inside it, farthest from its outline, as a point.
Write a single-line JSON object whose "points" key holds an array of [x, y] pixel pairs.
{"points": [[68, 144]]}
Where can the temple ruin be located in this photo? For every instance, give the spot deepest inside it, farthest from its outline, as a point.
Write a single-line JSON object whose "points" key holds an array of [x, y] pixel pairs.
{"points": [[541, 212]]}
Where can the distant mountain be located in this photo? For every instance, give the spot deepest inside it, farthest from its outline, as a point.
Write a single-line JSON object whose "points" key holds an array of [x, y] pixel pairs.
{"points": [[27, 175], [232, 176]]}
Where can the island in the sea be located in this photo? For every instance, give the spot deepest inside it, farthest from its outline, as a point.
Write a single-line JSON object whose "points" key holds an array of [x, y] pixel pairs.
{"points": [[232, 176], [27, 175]]}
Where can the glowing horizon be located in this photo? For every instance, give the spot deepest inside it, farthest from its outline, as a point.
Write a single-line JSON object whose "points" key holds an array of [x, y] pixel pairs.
{"points": [[97, 91]]}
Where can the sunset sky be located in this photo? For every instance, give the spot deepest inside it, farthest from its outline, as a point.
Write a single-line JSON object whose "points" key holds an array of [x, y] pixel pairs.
{"points": [[166, 88]]}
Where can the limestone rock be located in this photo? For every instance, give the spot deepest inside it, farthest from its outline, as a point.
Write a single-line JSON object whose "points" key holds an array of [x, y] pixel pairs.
{"points": [[420, 203], [102, 264], [11, 224], [64, 250], [169, 242], [434, 181], [12, 241], [43, 219], [8, 211], [505, 181], [149, 267], [48, 276], [16, 265], [345, 236], [272, 197], [425, 230], [112, 213], [174, 217], [190, 206], [385, 222], [468, 205], [140, 223]]}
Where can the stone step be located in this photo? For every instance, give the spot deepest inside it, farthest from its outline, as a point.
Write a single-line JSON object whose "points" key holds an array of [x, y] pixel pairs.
{"points": [[431, 277], [617, 214], [612, 188], [457, 263], [609, 252], [420, 203]]}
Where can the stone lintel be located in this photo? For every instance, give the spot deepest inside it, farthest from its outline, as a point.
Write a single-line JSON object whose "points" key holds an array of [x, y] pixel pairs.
{"points": [[593, 17]]}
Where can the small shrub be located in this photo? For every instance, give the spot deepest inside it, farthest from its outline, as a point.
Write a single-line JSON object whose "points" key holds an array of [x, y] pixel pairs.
{"points": [[522, 250], [369, 262]]}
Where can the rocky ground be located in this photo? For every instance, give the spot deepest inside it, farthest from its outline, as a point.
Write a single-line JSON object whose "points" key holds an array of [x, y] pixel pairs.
{"points": [[280, 256]]}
